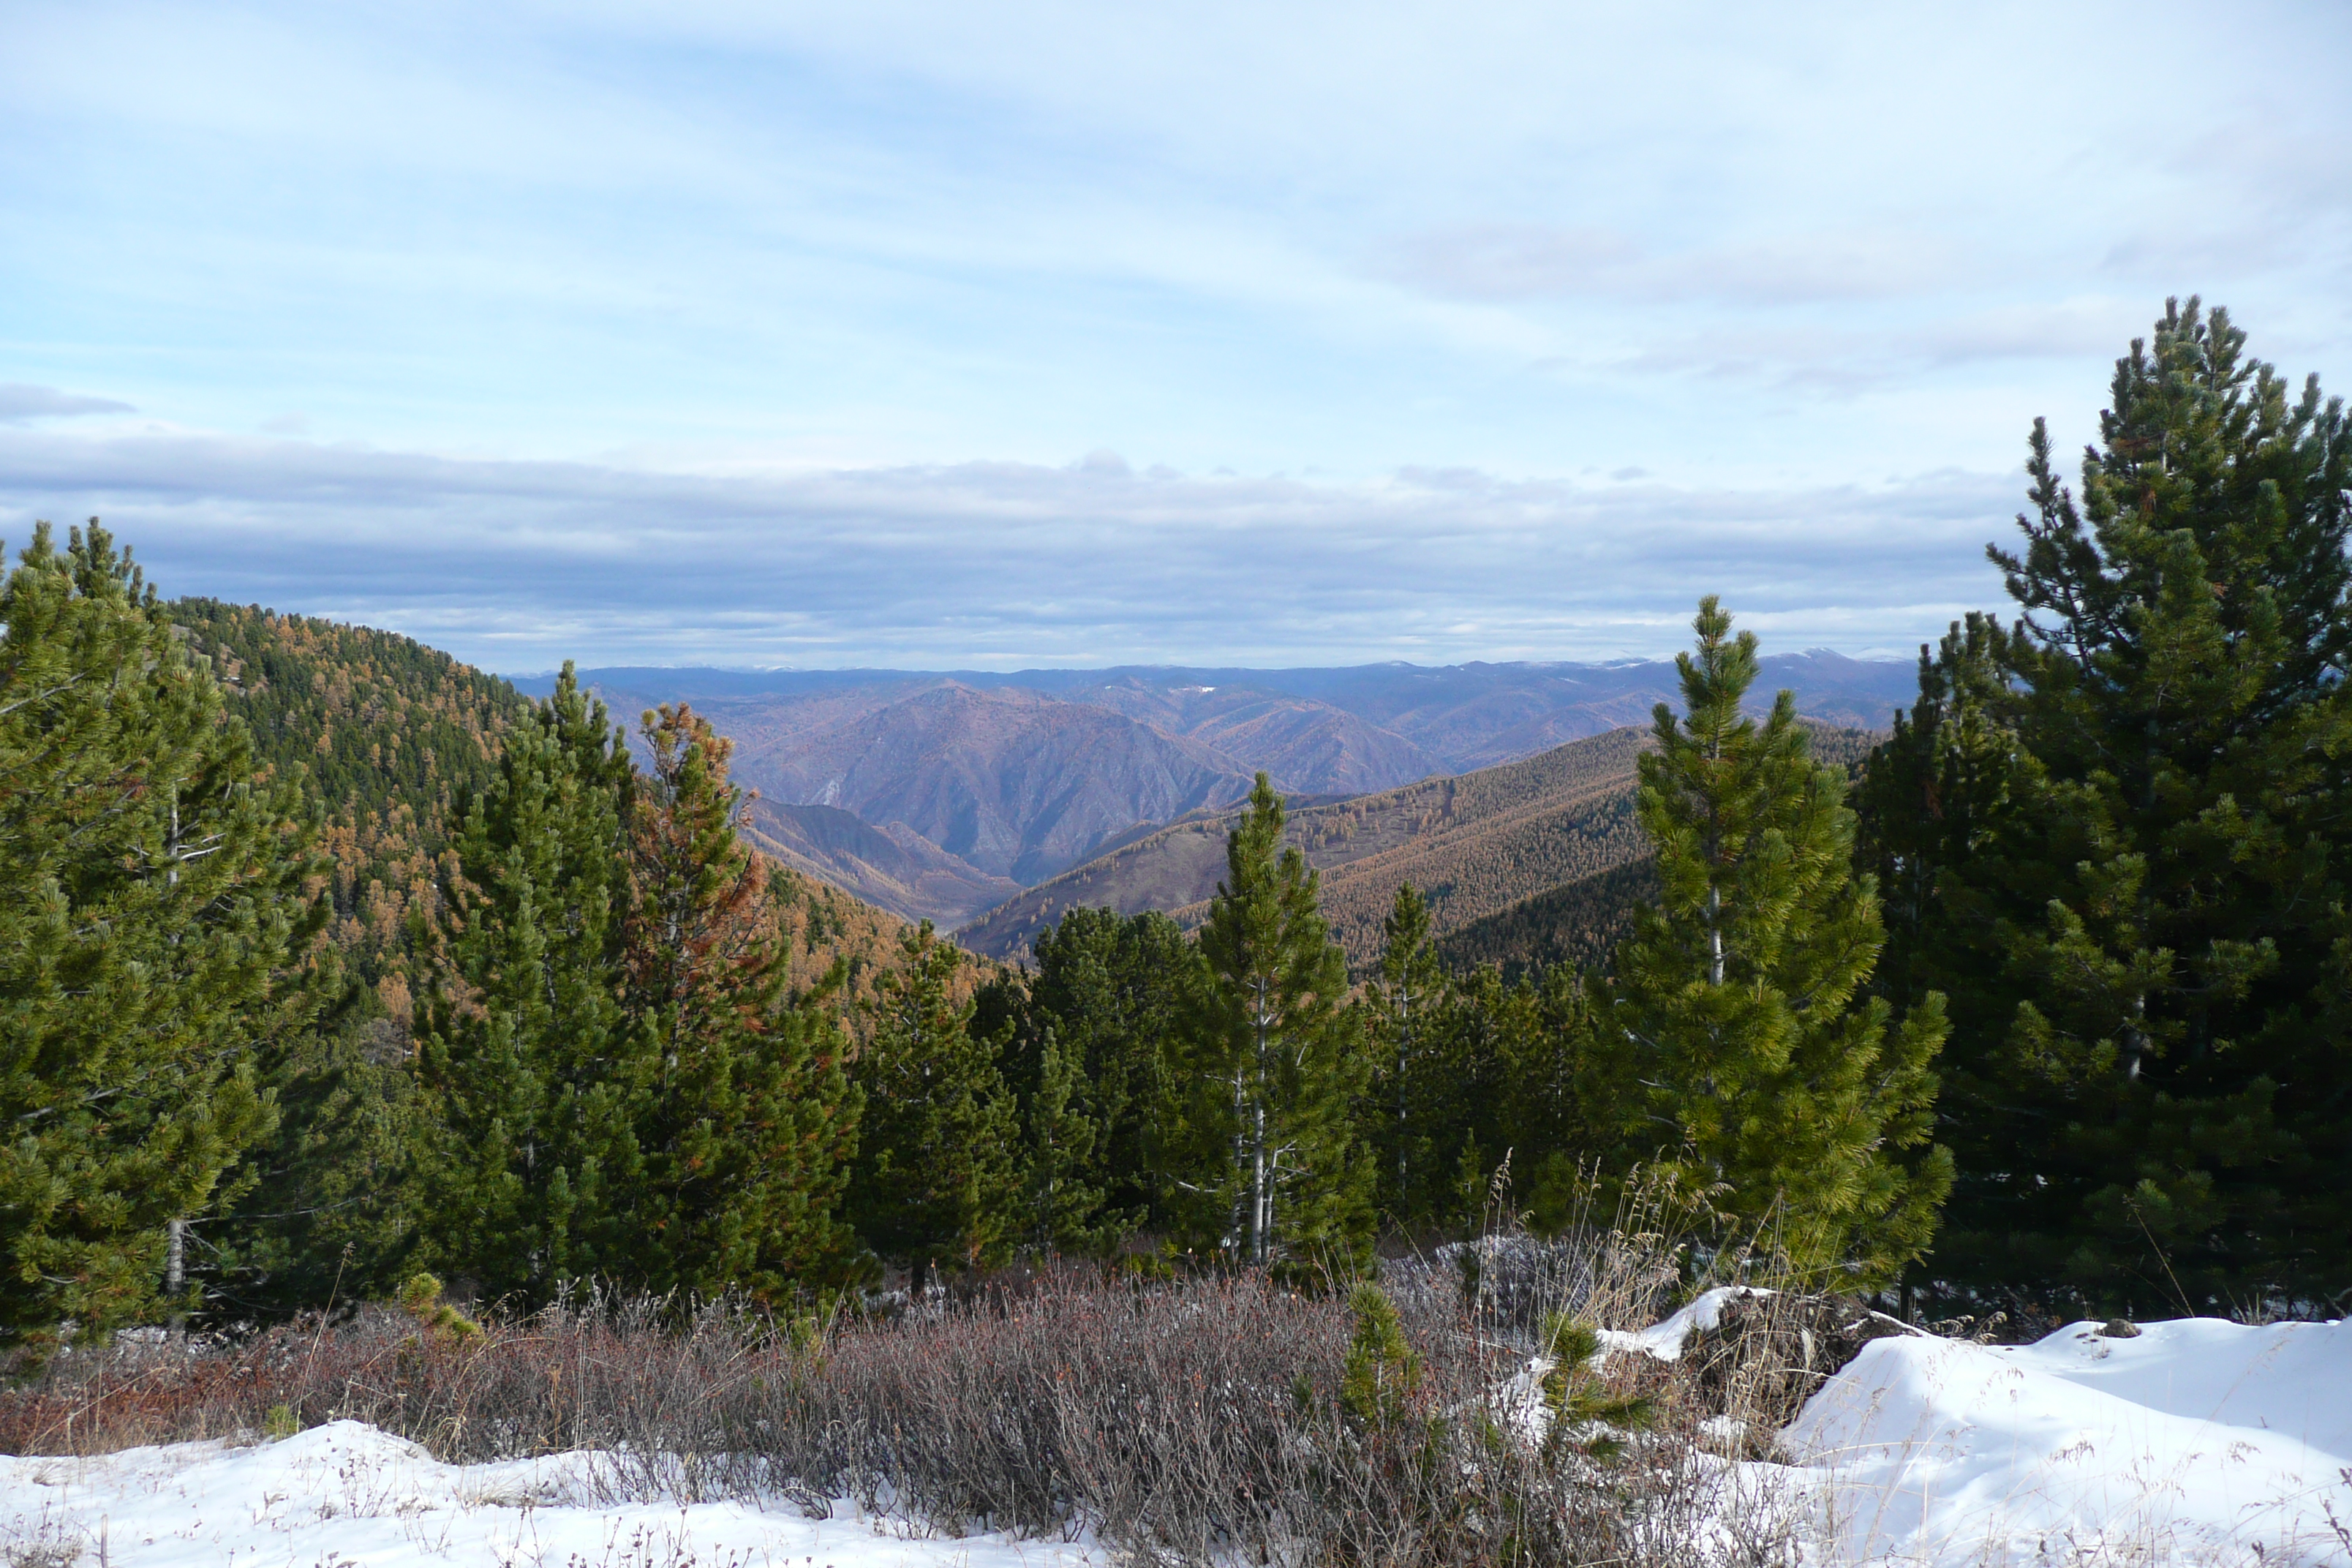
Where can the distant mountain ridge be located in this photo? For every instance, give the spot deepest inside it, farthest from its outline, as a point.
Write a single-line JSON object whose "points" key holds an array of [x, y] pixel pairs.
{"points": [[1456, 717], [1486, 849], [1020, 777]]}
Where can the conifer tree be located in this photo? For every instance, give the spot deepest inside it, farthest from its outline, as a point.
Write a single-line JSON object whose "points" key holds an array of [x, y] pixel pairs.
{"points": [[1740, 1038], [1065, 1210], [1277, 1065], [2125, 819], [1114, 991], [323, 1216], [534, 1082], [152, 911], [750, 1118], [937, 1177], [1409, 1100], [1553, 1113]]}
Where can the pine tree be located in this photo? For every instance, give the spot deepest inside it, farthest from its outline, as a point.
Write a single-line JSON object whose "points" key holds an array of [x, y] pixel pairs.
{"points": [[1553, 1113], [937, 1175], [1739, 1036], [2137, 897], [533, 1080], [1064, 1206], [323, 1216], [1407, 1107], [750, 1118], [1114, 991], [152, 913], [1277, 1065]]}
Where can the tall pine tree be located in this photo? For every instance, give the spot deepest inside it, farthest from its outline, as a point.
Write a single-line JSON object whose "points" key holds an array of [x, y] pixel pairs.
{"points": [[1403, 1012], [750, 1117], [152, 911], [2124, 824], [938, 1177], [533, 1080], [1740, 1038], [1277, 1065], [1114, 991]]}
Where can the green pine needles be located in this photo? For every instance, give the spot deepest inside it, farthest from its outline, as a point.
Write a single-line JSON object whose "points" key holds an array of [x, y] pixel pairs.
{"points": [[2118, 833], [153, 914], [1382, 1370], [1276, 1066], [613, 1082], [1740, 1047]]}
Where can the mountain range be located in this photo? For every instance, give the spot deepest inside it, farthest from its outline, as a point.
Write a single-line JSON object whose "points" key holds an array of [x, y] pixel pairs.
{"points": [[1490, 850], [941, 795]]}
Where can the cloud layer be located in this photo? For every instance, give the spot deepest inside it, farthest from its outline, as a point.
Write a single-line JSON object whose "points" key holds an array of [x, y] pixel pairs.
{"points": [[20, 402], [520, 564], [783, 330]]}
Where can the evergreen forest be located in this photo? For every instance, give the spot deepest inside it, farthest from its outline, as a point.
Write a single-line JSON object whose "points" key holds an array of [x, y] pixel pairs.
{"points": [[327, 963]]}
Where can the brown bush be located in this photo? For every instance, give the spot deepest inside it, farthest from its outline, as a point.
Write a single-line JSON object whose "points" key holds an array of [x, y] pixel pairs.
{"points": [[1182, 1422]]}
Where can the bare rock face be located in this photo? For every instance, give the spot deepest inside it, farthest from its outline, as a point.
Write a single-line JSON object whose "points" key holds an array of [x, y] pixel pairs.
{"points": [[1768, 1353]]}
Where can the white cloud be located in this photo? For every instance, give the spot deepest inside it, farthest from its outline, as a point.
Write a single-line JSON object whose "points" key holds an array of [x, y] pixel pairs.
{"points": [[19, 403], [518, 564]]}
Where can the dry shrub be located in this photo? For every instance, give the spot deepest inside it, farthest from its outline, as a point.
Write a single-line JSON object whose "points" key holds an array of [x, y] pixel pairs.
{"points": [[1184, 1422]]}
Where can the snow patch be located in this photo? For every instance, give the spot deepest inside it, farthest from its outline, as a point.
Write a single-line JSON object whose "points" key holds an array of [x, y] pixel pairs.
{"points": [[2197, 1441], [1665, 1340], [350, 1495]]}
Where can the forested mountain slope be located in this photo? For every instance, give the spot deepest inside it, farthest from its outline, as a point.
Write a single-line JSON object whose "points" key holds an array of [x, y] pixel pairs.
{"points": [[1577, 924], [1476, 845], [1498, 836], [395, 736]]}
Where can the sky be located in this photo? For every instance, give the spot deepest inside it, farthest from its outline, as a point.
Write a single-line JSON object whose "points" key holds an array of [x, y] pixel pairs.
{"points": [[937, 336]]}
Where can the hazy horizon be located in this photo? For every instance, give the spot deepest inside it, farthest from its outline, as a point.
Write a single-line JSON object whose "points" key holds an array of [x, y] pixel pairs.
{"points": [[1054, 334]]}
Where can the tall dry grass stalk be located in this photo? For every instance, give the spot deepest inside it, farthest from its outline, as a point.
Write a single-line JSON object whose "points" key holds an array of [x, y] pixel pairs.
{"points": [[1206, 1419]]}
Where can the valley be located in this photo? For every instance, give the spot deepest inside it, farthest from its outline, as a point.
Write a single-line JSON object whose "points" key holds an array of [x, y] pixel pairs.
{"points": [[1480, 848], [988, 803]]}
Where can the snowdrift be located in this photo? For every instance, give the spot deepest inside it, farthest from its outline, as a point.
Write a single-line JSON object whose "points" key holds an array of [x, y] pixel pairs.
{"points": [[347, 1495], [2197, 1441]]}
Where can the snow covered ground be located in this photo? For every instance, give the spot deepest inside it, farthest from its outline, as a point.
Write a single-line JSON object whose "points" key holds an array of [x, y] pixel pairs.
{"points": [[2199, 1441], [344, 1495]]}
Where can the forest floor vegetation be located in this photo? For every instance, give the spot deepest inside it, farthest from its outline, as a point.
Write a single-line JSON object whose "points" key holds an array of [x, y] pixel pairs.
{"points": [[1503, 1400]]}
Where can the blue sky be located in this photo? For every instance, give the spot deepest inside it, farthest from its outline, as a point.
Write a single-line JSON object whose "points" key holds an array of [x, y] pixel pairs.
{"points": [[920, 335]]}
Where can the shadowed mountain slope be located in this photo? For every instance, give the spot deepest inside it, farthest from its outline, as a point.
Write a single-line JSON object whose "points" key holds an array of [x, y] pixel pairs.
{"points": [[1478, 845], [1577, 924], [892, 867], [1019, 777], [1016, 785]]}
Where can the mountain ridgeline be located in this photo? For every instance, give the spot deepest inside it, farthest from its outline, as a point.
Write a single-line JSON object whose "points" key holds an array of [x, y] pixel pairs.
{"points": [[1477, 846], [972, 786]]}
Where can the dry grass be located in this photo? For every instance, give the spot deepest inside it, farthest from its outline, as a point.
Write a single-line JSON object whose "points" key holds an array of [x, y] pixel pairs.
{"points": [[1188, 1422]]}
